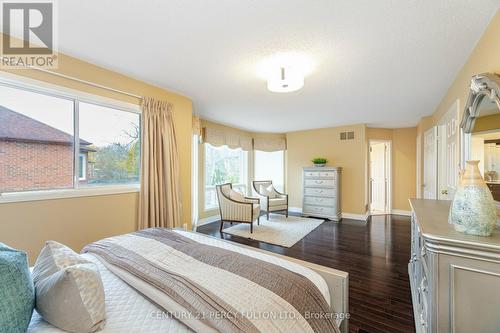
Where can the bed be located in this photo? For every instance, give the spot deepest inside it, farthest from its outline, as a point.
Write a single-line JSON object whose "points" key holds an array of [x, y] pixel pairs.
{"points": [[128, 310]]}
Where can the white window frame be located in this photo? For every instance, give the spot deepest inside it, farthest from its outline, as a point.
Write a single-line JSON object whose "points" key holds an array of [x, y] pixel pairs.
{"points": [[83, 170], [40, 87]]}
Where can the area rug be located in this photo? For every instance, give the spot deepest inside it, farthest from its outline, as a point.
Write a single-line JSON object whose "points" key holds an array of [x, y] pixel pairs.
{"points": [[279, 230]]}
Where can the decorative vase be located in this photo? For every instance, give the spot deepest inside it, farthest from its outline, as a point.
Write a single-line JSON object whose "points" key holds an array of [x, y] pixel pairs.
{"points": [[318, 165], [473, 209]]}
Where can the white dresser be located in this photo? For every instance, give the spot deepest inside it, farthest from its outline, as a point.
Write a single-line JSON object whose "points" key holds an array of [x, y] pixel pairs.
{"points": [[321, 194], [454, 277]]}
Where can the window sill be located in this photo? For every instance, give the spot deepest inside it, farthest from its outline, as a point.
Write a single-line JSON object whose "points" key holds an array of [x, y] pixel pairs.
{"points": [[69, 193]]}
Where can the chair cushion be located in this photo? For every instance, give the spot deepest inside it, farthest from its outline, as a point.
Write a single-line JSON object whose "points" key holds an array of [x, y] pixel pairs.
{"points": [[17, 293], [237, 196], [226, 190], [256, 211], [267, 191], [69, 290], [277, 202]]}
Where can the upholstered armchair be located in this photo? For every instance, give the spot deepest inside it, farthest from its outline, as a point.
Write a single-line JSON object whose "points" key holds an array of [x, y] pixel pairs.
{"points": [[271, 200], [235, 207]]}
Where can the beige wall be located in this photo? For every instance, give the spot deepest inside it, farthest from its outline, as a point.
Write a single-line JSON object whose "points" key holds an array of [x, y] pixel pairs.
{"points": [[350, 155], [79, 221], [484, 58], [487, 123], [74, 222], [403, 159]]}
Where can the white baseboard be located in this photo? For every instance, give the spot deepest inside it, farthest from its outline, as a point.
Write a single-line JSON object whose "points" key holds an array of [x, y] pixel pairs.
{"points": [[351, 216], [401, 212], [359, 217], [207, 220], [295, 209]]}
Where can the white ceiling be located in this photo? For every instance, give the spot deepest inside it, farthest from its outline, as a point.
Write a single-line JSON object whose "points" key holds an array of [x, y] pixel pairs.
{"points": [[384, 62]]}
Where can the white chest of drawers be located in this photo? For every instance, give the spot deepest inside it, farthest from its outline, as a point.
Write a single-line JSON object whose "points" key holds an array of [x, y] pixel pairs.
{"points": [[454, 277], [321, 192]]}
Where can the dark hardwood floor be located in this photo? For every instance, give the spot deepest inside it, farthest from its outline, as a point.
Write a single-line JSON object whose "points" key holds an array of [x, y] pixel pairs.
{"points": [[375, 254]]}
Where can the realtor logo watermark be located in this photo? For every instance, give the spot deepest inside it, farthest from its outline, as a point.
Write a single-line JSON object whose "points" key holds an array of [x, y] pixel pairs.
{"points": [[29, 34]]}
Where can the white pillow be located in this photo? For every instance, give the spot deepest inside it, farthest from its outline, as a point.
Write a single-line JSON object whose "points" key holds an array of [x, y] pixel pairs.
{"points": [[69, 290], [267, 191], [237, 196]]}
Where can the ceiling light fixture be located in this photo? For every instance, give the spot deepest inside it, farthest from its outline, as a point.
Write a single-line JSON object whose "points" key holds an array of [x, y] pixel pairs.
{"points": [[285, 79]]}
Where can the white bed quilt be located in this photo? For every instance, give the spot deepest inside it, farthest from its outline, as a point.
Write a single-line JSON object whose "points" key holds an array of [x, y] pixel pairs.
{"points": [[127, 311]]}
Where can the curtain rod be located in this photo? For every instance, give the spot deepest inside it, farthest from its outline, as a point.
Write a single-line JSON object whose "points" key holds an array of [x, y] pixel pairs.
{"points": [[85, 82], [64, 76]]}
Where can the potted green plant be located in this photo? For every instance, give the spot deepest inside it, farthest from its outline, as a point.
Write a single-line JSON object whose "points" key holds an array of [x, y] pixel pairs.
{"points": [[319, 161]]}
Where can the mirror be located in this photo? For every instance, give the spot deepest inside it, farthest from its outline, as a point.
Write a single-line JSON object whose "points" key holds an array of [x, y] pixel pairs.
{"points": [[481, 128]]}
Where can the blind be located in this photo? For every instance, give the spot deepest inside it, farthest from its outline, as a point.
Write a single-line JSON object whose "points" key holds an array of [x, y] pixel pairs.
{"points": [[217, 138], [269, 144]]}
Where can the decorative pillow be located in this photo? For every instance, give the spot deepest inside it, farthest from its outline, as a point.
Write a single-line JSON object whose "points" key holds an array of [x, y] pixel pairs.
{"points": [[17, 294], [69, 290], [267, 191], [235, 195]]}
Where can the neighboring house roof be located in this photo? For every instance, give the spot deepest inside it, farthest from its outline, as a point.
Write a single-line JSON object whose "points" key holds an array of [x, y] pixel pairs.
{"points": [[15, 126]]}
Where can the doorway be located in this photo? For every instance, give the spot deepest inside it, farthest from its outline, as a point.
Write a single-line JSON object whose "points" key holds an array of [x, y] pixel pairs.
{"points": [[380, 176]]}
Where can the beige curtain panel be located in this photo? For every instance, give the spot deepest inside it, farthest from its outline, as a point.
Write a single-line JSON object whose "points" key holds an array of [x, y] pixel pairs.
{"points": [[159, 201], [217, 138], [269, 144]]}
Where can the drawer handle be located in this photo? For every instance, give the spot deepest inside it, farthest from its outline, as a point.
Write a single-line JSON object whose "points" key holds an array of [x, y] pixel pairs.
{"points": [[319, 182]]}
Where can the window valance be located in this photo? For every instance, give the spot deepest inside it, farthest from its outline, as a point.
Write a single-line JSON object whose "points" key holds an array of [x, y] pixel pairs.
{"points": [[269, 144], [217, 137]]}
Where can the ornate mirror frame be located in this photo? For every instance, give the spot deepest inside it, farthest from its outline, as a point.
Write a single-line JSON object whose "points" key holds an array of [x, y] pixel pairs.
{"points": [[486, 85], [482, 86]]}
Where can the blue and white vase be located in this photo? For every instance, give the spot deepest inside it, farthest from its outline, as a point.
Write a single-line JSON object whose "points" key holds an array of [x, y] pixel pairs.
{"points": [[473, 209]]}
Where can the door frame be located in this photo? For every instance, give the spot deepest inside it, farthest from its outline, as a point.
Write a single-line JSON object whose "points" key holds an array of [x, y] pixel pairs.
{"points": [[388, 163]]}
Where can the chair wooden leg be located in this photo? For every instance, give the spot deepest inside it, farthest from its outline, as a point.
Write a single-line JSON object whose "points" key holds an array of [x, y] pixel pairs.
{"points": [[267, 214], [258, 220], [287, 213], [231, 223], [221, 225], [251, 228]]}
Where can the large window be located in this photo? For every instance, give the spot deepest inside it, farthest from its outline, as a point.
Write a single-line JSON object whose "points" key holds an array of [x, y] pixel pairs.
{"points": [[224, 165], [111, 139], [38, 149], [270, 166]]}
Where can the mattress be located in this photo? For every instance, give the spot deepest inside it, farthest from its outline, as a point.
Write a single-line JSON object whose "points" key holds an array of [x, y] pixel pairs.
{"points": [[127, 311]]}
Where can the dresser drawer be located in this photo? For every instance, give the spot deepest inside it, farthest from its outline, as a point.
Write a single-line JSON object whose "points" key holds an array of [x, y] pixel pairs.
{"points": [[321, 201], [319, 182], [329, 211], [320, 192], [311, 174], [327, 174]]}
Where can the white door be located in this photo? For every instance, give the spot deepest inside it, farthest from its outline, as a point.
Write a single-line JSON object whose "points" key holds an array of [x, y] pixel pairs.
{"points": [[379, 166], [448, 162], [430, 163]]}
